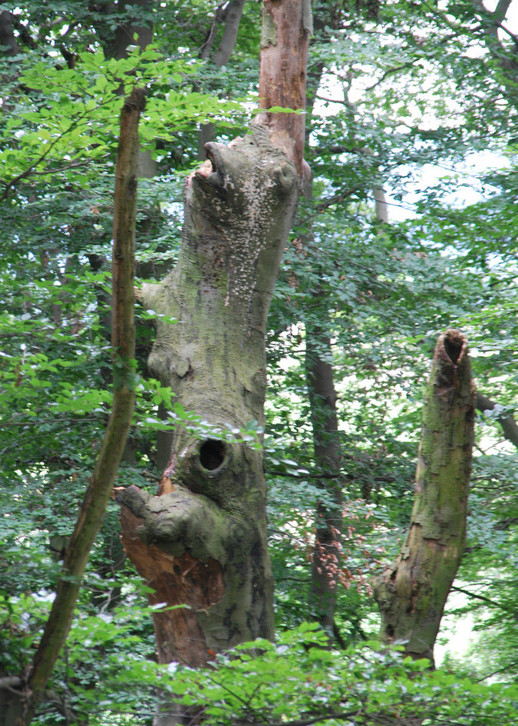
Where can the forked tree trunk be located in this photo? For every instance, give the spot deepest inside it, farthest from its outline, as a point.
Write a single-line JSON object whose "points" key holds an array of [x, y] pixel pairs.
{"points": [[411, 594], [201, 541]]}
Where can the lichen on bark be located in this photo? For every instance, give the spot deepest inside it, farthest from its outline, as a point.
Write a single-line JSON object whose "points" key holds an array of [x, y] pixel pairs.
{"points": [[202, 540]]}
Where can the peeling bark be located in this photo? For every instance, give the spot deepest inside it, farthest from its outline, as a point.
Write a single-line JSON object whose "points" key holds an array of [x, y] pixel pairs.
{"points": [[286, 28], [411, 594]]}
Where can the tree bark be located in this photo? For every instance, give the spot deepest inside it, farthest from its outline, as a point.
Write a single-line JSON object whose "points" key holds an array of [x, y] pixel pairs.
{"points": [[207, 526], [325, 562], [411, 594], [20, 705], [287, 25], [201, 541], [8, 43]]}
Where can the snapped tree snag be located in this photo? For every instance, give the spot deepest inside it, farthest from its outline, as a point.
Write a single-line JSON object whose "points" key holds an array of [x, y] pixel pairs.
{"points": [[411, 594], [201, 541]]}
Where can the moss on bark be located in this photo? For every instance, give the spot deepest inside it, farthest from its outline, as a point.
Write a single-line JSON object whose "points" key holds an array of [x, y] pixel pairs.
{"points": [[204, 541], [412, 593]]}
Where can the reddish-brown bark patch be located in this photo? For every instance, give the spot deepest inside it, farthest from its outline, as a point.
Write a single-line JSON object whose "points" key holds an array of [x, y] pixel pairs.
{"points": [[175, 581]]}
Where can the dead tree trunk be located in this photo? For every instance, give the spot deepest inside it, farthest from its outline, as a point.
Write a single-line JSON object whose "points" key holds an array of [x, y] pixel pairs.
{"points": [[411, 594], [202, 540]]}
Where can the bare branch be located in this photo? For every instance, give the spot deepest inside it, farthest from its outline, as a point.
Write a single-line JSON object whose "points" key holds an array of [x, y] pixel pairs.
{"points": [[487, 600], [508, 423]]}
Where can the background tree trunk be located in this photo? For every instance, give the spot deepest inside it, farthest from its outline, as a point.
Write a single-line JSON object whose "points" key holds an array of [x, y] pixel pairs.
{"points": [[231, 16], [411, 594], [325, 561]]}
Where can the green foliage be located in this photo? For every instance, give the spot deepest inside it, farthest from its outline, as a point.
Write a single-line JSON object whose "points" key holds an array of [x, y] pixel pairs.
{"points": [[433, 99], [68, 118], [298, 680], [104, 650]]}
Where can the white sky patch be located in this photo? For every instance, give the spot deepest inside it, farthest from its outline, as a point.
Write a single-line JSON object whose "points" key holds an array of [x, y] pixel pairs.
{"points": [[511, 18], [456, 631], [470, 189]]}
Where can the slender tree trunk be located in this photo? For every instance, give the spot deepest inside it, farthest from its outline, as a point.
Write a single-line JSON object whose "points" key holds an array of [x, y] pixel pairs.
{"points": [[232, 18], [325, 559], [202, 540], [411, 594], [325, 562], [19, 705]]}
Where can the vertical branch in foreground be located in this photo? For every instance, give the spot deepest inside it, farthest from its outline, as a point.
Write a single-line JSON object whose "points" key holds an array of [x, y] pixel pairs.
{"points": [[412, 592], [123, 344]]}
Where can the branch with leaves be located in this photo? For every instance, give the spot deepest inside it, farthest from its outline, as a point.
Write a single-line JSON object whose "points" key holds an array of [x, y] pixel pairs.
{"points": [[123, 346]]}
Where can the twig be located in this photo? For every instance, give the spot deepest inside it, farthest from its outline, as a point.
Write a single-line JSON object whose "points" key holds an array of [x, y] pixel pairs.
{"points": [[486, 600]]}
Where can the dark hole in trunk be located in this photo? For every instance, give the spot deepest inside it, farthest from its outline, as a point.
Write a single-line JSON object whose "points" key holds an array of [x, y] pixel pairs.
{"points": [[453, 341], [212, 454]]}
